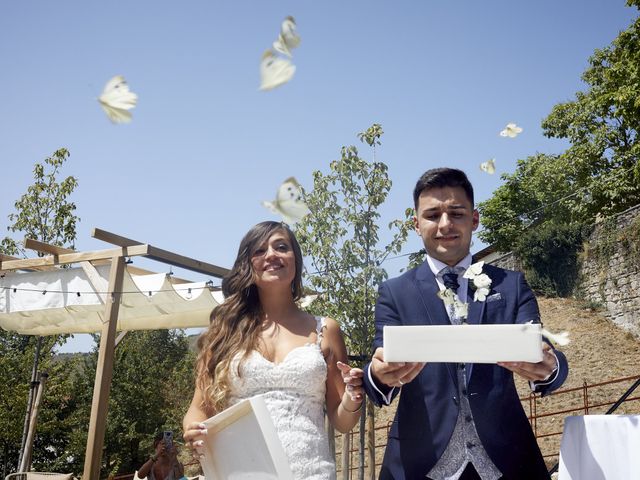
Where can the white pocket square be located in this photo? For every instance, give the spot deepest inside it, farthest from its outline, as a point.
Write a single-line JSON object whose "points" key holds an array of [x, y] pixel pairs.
{"points": [[495, 297]]}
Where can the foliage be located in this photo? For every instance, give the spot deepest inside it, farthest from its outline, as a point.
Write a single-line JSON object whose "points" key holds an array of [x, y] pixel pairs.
{"points": [[341, 238], [151, 390], [16, 363], [549, 255], [599, 173], [43, 213], [532, 194]]}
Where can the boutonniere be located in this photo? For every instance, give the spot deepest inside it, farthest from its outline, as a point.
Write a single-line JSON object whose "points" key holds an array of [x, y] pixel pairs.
{"points": [[460, 309], [480, 281]]}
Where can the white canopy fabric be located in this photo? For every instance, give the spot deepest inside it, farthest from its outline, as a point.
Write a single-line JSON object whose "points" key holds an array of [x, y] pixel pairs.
{"points": [[70, 305]]}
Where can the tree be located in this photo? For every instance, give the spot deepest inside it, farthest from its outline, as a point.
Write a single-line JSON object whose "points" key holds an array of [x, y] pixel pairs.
{"points": [[599, 174], [341, 238], [151, 390], [43, 213]]}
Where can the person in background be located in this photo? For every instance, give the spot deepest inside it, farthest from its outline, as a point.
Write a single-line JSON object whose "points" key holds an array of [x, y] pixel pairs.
{"points": [[259, 342], [164, 463]]}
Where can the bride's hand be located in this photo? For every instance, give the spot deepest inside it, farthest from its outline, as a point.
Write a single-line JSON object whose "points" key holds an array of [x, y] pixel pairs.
{"points": [[353, 379], [194, 437]]}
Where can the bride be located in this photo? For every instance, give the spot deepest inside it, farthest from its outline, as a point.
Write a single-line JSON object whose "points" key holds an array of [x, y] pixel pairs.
{"points": [[260, 343]]}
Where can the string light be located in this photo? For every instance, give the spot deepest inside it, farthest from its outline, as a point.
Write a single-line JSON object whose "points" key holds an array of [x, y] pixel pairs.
{"points": [[209, 285]]}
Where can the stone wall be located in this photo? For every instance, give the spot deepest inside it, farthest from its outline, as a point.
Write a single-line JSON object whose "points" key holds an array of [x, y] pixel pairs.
{"points": [[613, 282]]}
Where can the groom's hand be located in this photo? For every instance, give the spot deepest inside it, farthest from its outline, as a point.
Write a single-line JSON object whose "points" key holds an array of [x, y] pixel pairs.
{"points": [[534, 371], [393, 374]]}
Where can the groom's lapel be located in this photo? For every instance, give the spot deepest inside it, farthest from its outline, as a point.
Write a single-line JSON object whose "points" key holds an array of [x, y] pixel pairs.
{"points": [[435, 312], [476, 309], [434, 309]]}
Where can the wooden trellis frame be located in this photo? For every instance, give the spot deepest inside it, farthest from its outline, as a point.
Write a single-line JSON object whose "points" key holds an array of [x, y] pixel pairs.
{"points": [[56, 257]]}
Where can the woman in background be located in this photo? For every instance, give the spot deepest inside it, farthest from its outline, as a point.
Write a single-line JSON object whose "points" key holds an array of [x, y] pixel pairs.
{"points": [[259, 342], [163, 464]]}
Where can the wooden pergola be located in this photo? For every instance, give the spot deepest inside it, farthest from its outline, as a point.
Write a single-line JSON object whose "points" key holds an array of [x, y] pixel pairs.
{"points": [[55, 257]]}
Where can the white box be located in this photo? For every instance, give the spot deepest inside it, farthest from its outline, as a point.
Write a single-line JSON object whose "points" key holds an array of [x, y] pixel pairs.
{"points": [[463, 343], [242, 444]]}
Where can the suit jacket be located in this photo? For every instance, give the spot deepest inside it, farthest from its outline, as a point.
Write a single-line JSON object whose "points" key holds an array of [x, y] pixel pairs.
{"points": [[428, 407]]}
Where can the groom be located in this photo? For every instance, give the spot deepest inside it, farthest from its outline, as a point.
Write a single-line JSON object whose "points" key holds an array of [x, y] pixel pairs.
{"points": [[456, 421]]}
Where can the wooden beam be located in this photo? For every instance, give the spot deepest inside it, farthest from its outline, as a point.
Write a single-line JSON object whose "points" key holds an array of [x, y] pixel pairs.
{"points": [[163, 255], [112, 238], [42, 247], [7, 258], [186, 262], [77, 257], [104, 373], [55, 250]]}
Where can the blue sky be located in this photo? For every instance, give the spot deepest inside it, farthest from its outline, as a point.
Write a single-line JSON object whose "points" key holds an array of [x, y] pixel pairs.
{"points": [[205, 147]]}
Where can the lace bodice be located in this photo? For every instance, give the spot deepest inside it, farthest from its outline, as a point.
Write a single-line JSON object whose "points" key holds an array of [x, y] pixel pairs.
{"points": [[294, 391]]}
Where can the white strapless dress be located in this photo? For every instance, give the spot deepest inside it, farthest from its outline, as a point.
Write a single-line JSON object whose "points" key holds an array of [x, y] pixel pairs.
{"points": [[294, 391]]}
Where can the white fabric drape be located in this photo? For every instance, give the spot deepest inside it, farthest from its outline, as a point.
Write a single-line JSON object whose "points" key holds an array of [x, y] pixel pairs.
{"points": [[149, 302]]}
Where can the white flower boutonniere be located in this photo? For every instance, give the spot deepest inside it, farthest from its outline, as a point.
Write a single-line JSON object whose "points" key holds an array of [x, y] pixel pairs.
{"points": [[460, 309], [481, 284], [481, 281]]}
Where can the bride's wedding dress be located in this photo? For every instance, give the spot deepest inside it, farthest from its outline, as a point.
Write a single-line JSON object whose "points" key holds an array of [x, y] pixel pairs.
{"points": [[294, 391]]}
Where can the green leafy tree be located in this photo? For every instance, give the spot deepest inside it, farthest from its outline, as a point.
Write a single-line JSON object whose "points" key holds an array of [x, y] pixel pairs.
{"points": [[599, 174], [342, 240], [151, 390], [43, 213]]}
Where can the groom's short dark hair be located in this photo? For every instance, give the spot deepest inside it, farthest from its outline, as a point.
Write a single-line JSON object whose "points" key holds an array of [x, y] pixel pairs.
{"points": [[440, 178]]}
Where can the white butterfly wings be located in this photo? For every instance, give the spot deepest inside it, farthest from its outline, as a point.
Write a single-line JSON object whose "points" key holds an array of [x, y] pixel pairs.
{"points": [[288, 38], [274, 71], [511, 130], [288, 203], [489, 166], [116, 100]]}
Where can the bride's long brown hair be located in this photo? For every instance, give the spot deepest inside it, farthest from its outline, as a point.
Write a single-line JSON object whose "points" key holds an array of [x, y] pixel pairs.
{"points": [[235, 324]]}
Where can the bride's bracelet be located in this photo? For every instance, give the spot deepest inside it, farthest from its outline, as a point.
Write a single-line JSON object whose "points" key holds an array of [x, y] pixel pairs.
{"points": [[352, 411]]}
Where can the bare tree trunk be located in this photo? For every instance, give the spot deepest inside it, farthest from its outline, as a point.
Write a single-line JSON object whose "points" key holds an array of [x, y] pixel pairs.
{"points": [[32, 389], [25, 465], [371, 440]]}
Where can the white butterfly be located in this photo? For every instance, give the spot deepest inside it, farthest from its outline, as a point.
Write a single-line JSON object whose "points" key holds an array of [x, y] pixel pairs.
{"points": [[288, 202], [274, 71], [489, 166], [511, 130], [307, 300], [288, 38], [116, 100]]}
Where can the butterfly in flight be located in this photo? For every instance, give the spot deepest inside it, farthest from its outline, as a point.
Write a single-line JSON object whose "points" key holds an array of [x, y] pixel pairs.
{"points": [[288, 38], [116, 100], [288, 203], [489, 166], [511, 130], [274, 71]]}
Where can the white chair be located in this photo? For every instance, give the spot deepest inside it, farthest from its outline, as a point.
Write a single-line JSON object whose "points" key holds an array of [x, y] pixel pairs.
{"points": [[39, 476]]}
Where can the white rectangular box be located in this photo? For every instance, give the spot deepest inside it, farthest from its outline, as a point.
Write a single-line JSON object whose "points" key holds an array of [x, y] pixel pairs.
{"points": [[463, 343], [242, 444]]}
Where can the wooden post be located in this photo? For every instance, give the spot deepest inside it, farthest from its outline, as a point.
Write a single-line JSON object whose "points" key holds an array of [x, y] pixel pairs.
{"points": [[104, 373], [371, 440], [25, 462], [346, 455]]}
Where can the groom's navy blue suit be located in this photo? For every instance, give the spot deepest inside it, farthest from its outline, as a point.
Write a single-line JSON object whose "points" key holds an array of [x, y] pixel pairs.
{"points": [[428, 407]]}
